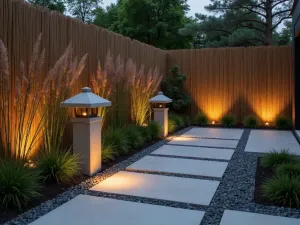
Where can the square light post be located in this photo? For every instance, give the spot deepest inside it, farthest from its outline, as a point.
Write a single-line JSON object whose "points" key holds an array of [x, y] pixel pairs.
{"points": [[87, 129], [160, 110]]}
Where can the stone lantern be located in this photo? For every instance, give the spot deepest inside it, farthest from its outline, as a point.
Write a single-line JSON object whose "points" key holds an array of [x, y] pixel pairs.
{"points": [[87, 129], [159, 105]]}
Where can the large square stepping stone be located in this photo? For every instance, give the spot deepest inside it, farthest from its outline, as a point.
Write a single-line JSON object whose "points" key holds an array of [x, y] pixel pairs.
{"points": [[264, 141], [195, 152], [180, 166], [222, 133], [177, 189], [204, 142], [90, 210], [245, 218]]}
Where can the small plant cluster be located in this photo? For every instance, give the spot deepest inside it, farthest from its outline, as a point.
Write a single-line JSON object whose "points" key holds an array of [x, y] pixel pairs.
{"points": [[176, 122], [126, 140], [281, 122], [284, 188], [173, 87]]}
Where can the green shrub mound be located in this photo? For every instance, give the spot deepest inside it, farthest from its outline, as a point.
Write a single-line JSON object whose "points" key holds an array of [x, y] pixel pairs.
{"points": [[283, 122], [201, 119], [228, 121], [57, 166], [172, 126], [283, 190], [134, 136], [18, 185], [178, 120], [251, 122], [119, 140], [291, 169], [276, 158], [154, 129], [108, 153], [145, 131]]}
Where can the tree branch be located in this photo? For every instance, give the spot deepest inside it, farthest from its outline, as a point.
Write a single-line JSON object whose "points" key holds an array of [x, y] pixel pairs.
{"points": [[254, 21], [280, 12], [278, 3], [279, 22]]}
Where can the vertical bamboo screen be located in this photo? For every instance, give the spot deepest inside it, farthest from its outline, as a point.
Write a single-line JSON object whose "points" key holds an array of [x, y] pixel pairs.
{"points": [[21, 24], [240, 81]]}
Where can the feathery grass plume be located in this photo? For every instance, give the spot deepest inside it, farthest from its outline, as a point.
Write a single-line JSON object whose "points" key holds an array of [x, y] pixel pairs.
{"points": [[101, 87], [142, 88], [21, 124], [65, 73]]}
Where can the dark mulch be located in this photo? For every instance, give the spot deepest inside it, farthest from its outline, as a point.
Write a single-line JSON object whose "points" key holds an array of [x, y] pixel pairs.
{"points": [[50, 191], [262, 175]]}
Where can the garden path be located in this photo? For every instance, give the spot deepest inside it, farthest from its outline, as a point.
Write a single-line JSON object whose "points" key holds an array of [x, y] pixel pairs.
{"points": [[202, 177]]}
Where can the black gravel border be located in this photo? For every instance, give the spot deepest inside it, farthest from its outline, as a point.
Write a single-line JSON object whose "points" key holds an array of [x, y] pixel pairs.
{"points": [[235, 191]]}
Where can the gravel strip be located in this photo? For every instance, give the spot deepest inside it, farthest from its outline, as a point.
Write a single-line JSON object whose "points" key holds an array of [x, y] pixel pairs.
{"points": [[236, 190], [192, 158], [175, 175], [82, 188], [201, 146]]}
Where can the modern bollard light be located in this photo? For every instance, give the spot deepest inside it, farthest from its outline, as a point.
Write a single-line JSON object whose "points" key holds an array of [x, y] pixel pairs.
{"points": [[87, 129], [160, 110]]}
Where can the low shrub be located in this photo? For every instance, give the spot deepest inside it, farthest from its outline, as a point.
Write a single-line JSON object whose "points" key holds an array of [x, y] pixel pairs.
{"points": [[251, 122], [201, 119], [18, 185], [119, 140], [172, 126], [178, 120], [291, 169], [145, 131], [276, 158], [154, 129], [135, 138], [57, 166], [108, 153], [283, 122], [228, 121], [283, 190]]}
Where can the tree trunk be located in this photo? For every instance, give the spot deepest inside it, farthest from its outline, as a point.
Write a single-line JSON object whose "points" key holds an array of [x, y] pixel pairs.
{"points": [[268, 34]]}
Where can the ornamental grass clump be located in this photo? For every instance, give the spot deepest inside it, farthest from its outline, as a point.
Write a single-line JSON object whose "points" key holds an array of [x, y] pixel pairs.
{"points": [[251, 122], [65, 73], [283, 190], [119, 140], [135, 137], [283, 122], [276, 158], [178, 120], [146, 133], [201, 119], [57, 166], [228, 121], [155, 129], [290, 169], [21, 124], [19, 184], [172, 126], [142, 87], [108, 153]]}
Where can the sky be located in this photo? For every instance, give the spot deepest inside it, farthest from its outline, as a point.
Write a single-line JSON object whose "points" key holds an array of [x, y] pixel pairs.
{"points": [[196, 6]]}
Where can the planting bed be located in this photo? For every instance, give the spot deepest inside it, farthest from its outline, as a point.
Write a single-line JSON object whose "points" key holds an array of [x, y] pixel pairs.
{"points": [[50, 191]]}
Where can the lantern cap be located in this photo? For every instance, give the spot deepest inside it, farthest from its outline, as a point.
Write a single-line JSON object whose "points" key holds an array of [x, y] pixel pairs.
{"points": [[160, 98], [85, 99]]}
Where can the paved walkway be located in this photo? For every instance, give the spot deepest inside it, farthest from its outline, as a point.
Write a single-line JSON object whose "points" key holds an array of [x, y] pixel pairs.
{"points": [[180, 183]]}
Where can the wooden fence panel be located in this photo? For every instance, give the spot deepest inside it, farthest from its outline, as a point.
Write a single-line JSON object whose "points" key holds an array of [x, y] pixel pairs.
{"points": [[239, 81]]}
